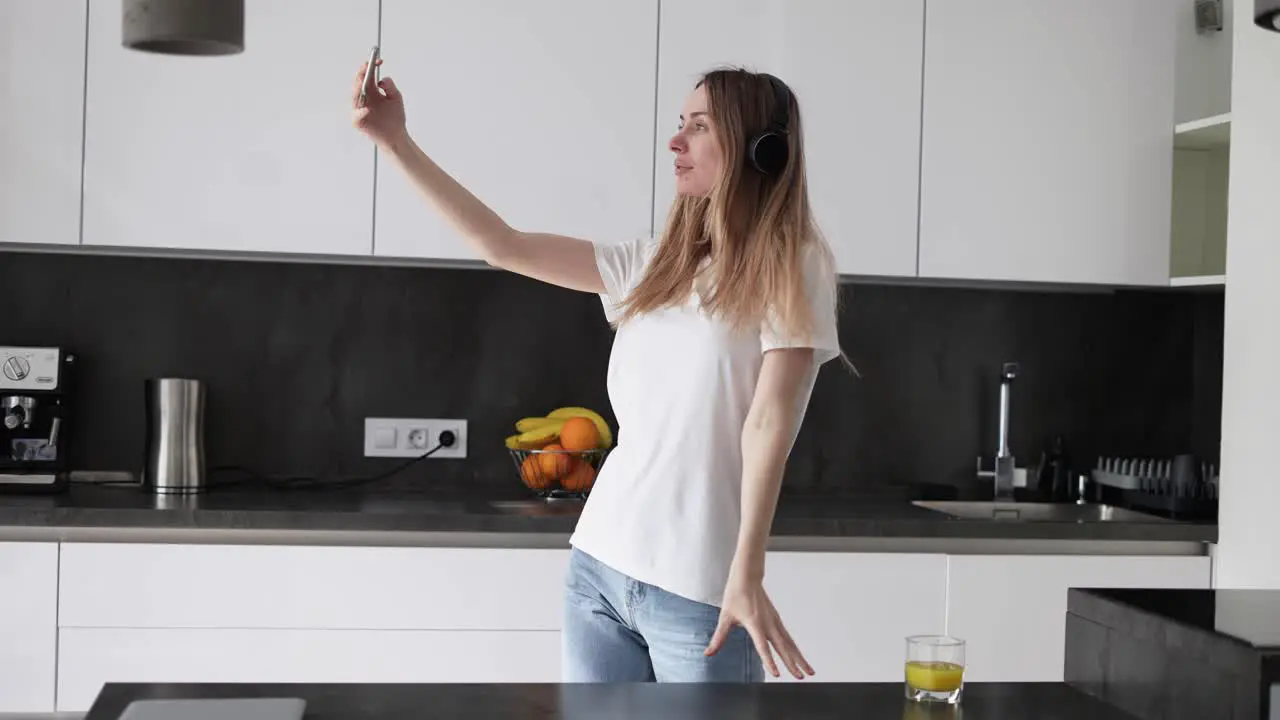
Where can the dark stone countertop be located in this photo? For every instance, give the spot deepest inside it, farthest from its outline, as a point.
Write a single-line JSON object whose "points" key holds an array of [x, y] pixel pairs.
{"points": [[364, 509], [1171, 653], [765, 701], [1247, 617]]}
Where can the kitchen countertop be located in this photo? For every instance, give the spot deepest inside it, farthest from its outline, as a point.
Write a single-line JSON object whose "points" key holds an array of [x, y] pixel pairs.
{"points": [[1176, 652], [363, 510], [765, 701], [1249, 618]]}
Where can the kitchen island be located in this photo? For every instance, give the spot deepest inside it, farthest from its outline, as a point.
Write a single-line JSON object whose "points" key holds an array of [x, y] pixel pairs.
{"points": [[1166, 654], [363, 585], [872, 701]]}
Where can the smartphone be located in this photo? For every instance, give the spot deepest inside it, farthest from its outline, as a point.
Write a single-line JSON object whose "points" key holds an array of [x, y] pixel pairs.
{"points": [[369, 73]]}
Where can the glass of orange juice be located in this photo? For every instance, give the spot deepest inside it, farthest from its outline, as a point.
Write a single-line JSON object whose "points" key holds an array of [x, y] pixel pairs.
{"points": [[935, 668]]}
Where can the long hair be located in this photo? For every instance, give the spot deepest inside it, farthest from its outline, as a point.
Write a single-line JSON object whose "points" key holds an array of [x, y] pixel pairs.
{"points": [[754, 228]]}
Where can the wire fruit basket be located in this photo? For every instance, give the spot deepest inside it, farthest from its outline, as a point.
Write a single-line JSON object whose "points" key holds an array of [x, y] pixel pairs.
{"points": [[556, 474]]}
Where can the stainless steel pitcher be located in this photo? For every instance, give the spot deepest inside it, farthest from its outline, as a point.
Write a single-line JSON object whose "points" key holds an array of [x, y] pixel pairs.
{"points": [[175, 461]]}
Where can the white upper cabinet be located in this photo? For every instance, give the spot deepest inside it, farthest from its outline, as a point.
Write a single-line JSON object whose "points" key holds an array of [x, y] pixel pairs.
{"points": [[855, 66], [1204, 64], [1047, 140], [42, 96], [543, 110], [247, 153]]}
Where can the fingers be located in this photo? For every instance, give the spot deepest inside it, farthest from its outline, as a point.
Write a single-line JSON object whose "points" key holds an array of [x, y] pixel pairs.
{"points": [[355, 90], [760, 637], [791, 655], [800, 659], [363, 67], [776, 637], [359, 117], [359, 83], [717, 638], [795, 660], [389, 87], [788, 652]]}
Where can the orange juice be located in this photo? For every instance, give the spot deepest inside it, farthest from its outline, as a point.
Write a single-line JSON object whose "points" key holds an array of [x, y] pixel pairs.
{"points": [[939, 677]]}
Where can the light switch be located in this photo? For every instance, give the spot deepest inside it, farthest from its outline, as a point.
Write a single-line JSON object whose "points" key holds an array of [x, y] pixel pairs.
{"points": [[384, 438]]}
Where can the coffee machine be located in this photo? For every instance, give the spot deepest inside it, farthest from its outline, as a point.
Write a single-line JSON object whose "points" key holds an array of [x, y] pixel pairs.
{"points": [[36, 386]]}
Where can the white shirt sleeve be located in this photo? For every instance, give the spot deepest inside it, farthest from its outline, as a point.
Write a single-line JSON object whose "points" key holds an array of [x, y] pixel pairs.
{"points": [[621, 267], [821, 289]]}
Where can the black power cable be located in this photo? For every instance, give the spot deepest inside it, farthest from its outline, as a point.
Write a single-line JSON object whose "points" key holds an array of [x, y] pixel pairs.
{"points": [[447, 439]]}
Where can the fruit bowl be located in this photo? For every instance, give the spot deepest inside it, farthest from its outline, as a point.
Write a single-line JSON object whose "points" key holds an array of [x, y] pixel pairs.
{"points": [[558, 473], [559, 454]]}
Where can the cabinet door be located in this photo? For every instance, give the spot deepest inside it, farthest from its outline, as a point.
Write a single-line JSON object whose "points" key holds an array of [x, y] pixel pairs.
{"points": [[42, 93], [144, 585], [90, 657], [850, 613], [28, 626], [1012, 609], [1047, 139], [543, 110], [246, 153], [855, 66]]}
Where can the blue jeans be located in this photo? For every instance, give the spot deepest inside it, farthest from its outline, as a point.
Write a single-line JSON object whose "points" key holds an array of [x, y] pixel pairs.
{"points": [[617, 629]]}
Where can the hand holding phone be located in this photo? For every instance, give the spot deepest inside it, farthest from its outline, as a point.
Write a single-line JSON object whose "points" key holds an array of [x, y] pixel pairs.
{"points": [[378, 105], [370, 72]]}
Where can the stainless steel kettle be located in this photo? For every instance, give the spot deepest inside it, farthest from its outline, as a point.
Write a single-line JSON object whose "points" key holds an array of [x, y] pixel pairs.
{"points": [[175, 460]]}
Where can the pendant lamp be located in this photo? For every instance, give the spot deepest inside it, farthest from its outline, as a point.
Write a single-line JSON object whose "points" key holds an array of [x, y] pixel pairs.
{"points": [[1266, 15], [184, 27]]}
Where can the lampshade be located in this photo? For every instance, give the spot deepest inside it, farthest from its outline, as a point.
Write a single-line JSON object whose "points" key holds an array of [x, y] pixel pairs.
{"points": [[184, 27], [1266, 14]]}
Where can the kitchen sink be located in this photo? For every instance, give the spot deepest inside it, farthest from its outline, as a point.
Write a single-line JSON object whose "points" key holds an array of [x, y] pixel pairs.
{"points": [[1036, 511]]}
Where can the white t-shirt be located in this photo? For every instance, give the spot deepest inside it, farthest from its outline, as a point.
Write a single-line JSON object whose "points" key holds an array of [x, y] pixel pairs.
{"points": [[666, 507]]}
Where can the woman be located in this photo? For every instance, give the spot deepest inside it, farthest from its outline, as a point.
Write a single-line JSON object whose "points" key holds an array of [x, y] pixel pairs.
{"points": [[722, 323]]}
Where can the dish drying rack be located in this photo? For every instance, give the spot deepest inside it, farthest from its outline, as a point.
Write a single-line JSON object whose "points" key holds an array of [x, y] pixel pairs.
{"points": [[1176, 487]]}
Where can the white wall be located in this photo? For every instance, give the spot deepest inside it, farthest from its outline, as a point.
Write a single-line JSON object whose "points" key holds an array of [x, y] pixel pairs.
{"points": [[1249, 512], [1204, 64]]}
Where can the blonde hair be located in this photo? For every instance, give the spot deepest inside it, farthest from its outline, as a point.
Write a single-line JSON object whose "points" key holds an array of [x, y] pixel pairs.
{"points": [[755, 228]]}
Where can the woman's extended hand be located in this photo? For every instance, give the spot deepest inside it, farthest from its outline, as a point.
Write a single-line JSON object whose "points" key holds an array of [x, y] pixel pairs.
{"points": [[747, 604], [382, 117]]}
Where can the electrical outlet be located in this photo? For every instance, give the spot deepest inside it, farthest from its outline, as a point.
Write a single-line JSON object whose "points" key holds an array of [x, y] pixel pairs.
{"points": [[411, 437]]}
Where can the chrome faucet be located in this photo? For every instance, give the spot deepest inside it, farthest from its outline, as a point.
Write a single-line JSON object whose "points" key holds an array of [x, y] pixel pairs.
{"points": [[1002, 469]]}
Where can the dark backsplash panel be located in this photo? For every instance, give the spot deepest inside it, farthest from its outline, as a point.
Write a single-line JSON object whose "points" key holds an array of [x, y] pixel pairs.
{"points": [[295, 355]]}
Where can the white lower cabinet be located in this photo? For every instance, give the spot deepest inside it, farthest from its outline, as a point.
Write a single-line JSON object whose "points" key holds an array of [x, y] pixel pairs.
{"points": [[849, 612], [1011, 609], [28, 626], [255, 613], [258, 613], [127, 585], [90, 657]]}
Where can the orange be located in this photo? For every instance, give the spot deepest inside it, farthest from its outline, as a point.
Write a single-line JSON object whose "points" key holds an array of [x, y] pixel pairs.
{"points": [[531, 473], [554, 464], [579, 433], [580, 478]]}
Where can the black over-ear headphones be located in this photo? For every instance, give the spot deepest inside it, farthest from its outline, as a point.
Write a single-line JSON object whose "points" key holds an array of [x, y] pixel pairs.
{"points": [[768, 150]]}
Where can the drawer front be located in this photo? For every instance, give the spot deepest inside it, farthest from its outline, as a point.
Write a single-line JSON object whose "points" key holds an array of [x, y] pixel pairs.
{"points": [[849, 612], [90, 657], [28, 626], [1017, 605], [254, 586]]}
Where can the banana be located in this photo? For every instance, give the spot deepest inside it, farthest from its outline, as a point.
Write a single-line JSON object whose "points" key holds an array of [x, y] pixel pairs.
{"points": [[606, 435], [524, 425], [535, 438]]}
